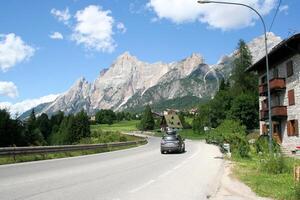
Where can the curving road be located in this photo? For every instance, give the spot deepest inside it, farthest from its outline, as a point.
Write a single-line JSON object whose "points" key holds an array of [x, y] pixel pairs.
{"points": [[137, 173]]}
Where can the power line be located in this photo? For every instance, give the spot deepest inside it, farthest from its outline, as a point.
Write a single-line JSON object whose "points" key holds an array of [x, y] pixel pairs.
{"points": [[274, 17]]}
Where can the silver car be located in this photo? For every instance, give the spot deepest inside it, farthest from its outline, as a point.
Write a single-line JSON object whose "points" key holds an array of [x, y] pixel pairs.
{"points": [[172, 143]]}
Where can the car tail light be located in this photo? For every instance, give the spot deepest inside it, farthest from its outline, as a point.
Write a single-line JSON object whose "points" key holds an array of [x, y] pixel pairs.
{"points": [[163, 142]]}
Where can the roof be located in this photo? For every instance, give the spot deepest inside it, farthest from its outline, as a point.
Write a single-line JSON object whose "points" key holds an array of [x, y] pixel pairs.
{"points": [[173, 120], [283, 51]]}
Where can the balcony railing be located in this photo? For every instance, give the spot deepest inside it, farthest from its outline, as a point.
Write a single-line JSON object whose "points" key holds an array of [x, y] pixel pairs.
{"points": [[275, 85], [278, 112]]}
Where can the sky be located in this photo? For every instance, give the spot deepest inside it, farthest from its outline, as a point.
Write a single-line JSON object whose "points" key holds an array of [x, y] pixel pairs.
{"points": [[45, 46]]}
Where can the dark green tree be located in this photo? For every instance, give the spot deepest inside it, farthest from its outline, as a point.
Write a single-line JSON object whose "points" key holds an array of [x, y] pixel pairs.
{"points": [[33, 135], [80, 127], [105, 116], [44, 125], [243, 81], [184, 123], [244, 108], [11, 130], [57, 118], [147, 121]]}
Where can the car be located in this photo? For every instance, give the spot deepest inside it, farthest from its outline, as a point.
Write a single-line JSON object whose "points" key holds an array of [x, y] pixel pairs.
{"points": [[172, 143]]}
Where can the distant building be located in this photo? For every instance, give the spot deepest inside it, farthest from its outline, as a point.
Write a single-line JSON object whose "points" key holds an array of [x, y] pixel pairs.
{"points": [[93, 118], [170, 120], [284, 62], [193, 111]]}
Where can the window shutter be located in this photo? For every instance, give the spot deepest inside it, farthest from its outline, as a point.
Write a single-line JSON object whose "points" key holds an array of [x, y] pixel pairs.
{"points": [[291, 97], [289, 128], [296, 128], [289, 68], [264, 129]]}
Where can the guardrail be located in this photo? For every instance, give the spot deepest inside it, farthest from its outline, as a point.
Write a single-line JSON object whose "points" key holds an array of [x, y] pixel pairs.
{"points": [[13, 151]]}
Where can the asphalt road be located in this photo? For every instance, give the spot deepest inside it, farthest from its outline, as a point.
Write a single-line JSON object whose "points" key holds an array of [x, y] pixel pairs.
{"points": [[138, 173]]}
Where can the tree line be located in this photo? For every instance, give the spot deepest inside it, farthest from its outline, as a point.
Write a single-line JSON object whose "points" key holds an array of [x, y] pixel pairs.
{"points": [[108, 116], [42, 130]]}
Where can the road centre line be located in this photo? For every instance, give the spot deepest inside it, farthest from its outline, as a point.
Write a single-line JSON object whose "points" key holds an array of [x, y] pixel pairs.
{"points": [[142, 186]]}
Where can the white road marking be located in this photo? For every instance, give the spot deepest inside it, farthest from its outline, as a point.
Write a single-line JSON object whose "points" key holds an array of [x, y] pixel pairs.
{"points": [[166, 173], [195, 154], [142, 186]]}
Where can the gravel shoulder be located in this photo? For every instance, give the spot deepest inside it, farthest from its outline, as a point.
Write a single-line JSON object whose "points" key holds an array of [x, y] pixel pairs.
{"points": [[231, 188]]}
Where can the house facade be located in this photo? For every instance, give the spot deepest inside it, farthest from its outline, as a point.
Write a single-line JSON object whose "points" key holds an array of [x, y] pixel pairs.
{"points": [[284, 72]]}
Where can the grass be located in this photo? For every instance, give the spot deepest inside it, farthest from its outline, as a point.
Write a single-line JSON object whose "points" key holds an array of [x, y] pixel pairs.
{"points": [[277, 186], [122, 126], [190, 134], [36, 157]]}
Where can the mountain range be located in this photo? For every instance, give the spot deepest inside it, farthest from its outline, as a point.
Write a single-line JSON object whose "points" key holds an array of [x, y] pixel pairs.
{"points": [[129, 83]]}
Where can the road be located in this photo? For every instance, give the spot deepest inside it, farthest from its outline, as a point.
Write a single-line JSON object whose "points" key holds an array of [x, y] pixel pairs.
{"points": [[137, 173]]}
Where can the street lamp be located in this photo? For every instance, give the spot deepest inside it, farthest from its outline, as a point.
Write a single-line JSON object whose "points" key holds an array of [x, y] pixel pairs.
{"points": [[267, 61]]}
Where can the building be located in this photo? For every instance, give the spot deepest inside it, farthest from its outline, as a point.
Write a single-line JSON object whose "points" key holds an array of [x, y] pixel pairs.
{"points": [[170, 120], [284, 65]]}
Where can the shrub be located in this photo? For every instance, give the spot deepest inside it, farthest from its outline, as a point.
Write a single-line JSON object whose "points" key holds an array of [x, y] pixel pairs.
{"points": [[297, 191], [123, 138], [231, 132], [274, 164], [262, 145]]}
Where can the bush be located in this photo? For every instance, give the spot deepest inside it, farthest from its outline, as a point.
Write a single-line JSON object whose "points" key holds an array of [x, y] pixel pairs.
{"points": [[123, 138], [262, 145], [297, 191], [231, 132], [274, 165]]}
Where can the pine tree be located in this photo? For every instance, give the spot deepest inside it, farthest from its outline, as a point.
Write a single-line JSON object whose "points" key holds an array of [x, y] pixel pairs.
{"points": [[147, 121], [43, 123], [243, 81]]}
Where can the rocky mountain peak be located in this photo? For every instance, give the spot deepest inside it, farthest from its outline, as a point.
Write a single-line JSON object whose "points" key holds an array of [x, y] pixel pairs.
{"points": [[81, 81], [257, 45], [126, 56], [129, 83]]}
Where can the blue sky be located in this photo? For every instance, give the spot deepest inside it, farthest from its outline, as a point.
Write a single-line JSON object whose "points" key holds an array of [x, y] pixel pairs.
{"points": [[152, 30]]}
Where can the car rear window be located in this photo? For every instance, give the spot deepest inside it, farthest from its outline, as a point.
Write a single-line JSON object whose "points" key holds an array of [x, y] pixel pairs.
{"points": [[170, 137]]}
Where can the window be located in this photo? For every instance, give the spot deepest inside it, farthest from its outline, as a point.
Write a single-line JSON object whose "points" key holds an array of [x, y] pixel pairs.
{"points": [[263, 80], [289, 68], [291, 97], [275, 73], [292, 128]]}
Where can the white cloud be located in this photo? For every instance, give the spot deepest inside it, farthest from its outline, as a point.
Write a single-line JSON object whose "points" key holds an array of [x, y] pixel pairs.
{"points": [[284, 9], [56, 36], [224, 17], [121, 27], [8, 89], [62, 15], [13, 50], [93, 29], [20, 107]]}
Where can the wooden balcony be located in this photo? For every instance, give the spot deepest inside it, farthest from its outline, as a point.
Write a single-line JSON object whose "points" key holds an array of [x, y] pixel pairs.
{"points": [[278, 112], [276, 84]]}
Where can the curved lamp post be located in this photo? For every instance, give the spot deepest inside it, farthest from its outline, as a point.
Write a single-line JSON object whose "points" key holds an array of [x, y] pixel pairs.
{"points": [[267, 62]]}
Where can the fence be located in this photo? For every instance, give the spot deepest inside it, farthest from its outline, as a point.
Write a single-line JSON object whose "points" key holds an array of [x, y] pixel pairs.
{"points": [[13, 151]]}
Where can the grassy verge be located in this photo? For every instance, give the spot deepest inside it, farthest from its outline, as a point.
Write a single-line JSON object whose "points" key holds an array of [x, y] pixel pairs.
{"points": [[190, 134], [278, 186], [36, 157], [123, 126]]}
